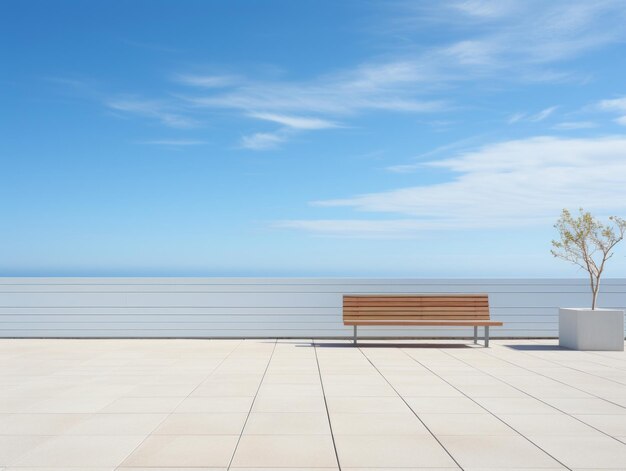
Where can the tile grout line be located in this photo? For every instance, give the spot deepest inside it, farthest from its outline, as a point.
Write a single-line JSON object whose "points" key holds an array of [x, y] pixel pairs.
{"points": [[411, 409], [563, 382], [599, 354], [534, 397], [179, 403], [595, 355], [330, 424], [572, 368], [543, 401], [592, 353], [483, 407], [243, 428]]}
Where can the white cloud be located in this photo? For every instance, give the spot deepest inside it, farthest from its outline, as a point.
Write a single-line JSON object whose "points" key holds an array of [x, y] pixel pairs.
{"points": [[497, 41], [385, 86], [152, 109], [473, 52], [574, 125], [616, 105], [514, 118], [262, 141], [295, 122], [516, 39], [533, 118], [514, 183], [207, 81], [543, 114]]}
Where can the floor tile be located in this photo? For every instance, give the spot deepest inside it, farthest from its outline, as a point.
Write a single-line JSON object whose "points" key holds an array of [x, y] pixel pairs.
{"points": [[215, 404], [116, 424], [376, 423], [202, 424], [290, 390], [276, 451], [142, 404], [289, 469], [287, 423], [38, 424], [496, 452], [515, 405], [15, 447], [177, 468], [362, 451], [366, 404], [72, 405], [444, 405], [183, 451], [466, 424], [289, 404], [246, 388], [584, 452], [548, 424], [590, 405], [614, 425], [80, 451]]}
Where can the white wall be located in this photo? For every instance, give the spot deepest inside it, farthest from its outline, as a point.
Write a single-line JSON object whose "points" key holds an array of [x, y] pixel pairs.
{"points": [[265, 307]]}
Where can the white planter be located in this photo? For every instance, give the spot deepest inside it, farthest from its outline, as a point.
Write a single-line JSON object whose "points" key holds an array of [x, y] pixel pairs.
{"points": [[584, 329]]}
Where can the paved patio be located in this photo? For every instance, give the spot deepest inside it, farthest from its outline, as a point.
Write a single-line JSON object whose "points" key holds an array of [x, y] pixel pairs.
{"points": [[294, 404]]}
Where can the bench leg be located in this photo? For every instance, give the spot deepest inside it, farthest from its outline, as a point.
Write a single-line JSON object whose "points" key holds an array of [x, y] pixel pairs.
{"points": [[354, 336], [486, 336], [475, 334]]}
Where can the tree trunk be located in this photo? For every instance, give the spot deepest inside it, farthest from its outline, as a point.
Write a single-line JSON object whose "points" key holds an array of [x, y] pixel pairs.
{"points": [[594, 292], [596, 289]]}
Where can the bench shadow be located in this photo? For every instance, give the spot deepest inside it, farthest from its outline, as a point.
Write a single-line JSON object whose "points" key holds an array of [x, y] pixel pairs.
{"points": [[530, 348], [385, 345]]}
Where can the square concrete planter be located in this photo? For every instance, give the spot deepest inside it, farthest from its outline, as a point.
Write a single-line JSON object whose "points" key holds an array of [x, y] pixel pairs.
{"points": [[584, 329]]}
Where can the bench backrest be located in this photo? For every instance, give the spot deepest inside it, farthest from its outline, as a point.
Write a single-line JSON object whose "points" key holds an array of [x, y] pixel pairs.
{"points": [[416, 307]]}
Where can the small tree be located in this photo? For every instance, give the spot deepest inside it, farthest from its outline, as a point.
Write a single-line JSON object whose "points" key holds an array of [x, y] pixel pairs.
{"points": [[588, 243]]}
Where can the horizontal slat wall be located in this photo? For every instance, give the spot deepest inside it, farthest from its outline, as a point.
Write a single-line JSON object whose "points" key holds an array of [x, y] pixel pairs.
{"points": [[263, 307]]}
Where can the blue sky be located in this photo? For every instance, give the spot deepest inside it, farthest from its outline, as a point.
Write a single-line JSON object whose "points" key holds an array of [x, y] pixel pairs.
{"points": [[308, 138]]}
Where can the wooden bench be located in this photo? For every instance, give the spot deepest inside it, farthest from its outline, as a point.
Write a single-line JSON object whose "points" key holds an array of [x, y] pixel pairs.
{"points": [[419, 309]]}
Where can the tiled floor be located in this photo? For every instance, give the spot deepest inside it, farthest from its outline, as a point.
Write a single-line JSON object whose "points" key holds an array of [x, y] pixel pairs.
{"points": [[104, 405]]}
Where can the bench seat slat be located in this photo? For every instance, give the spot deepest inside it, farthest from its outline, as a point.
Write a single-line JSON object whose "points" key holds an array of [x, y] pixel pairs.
{"points": [[418, 319], [417, 302], [414, 307], [438, 322], [424, 313]]}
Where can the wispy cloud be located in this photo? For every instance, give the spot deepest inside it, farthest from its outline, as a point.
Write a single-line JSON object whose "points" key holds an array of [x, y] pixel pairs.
{"points": [[152, 109], [386, 86], [532, 117], [486, 9], [508, 184], [515, 117], [501, 41], [295, 122], [207, 81], [616, 105], [574, 125], [262, 140], [543, 114], [516, 35], [422, 160]]}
